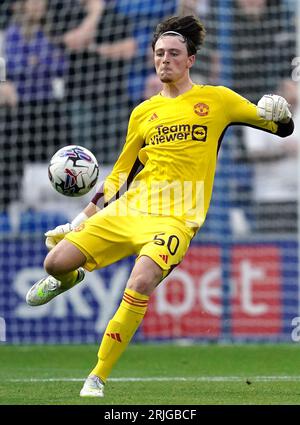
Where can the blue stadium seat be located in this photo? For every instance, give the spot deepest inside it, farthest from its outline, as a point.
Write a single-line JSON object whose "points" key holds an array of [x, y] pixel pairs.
{"points": [[5, 226], [33, 221]]}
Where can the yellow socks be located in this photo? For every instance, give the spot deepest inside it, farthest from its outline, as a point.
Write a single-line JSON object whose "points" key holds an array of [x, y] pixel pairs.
{"points": [[119, 331], [67, 280]]}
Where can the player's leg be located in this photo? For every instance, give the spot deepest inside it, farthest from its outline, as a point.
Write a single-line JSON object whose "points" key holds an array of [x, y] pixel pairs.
{"points": [[100, 241], [63, 260], [64, 266], [159, 251], [144, 278]]}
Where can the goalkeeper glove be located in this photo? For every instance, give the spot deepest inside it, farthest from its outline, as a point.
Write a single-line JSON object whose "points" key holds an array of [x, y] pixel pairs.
{"points": [[272, 107], [59, 232]]}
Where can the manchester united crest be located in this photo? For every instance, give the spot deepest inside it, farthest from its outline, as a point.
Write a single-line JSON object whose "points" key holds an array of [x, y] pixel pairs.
{"points": [[201, 109]]}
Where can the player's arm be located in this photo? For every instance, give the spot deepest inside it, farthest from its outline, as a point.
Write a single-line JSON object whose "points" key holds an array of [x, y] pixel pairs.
{"points": [[121, 176], [55, 235], [271, 114], [125, 168], [272, 107]]}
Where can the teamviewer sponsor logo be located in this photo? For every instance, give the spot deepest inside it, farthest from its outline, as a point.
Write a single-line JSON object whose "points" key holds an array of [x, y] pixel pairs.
{"points": [[179, 132], [199, 133]]}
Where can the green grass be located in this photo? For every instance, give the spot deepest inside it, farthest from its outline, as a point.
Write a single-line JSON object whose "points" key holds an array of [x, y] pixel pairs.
{"points": [[200, 365]]}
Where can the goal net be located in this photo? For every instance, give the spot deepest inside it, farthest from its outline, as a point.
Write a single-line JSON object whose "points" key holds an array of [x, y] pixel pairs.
{"points": [[74, 72]]}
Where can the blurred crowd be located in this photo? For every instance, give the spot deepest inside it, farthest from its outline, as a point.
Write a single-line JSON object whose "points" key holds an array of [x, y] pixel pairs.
{"points": [[76, 68]]}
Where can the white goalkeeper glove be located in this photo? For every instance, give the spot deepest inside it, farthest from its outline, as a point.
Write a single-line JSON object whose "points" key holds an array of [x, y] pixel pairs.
{"points": [[59, 232], [272, 107]]}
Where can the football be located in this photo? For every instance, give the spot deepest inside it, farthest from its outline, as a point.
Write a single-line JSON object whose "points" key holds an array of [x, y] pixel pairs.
{"points": [[73, 171]]}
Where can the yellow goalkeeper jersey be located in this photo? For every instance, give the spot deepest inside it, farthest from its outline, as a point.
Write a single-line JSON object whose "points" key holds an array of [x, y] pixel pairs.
{"points": [[177, 141]]}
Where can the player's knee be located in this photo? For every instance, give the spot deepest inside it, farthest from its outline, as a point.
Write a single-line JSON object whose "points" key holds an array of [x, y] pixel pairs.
{"points": [[63, 258], [139, 284], [143, 283], [54, 264]]}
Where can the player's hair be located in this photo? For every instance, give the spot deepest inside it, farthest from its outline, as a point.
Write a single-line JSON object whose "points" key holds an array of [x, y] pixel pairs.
{"points": [[190, 27]]}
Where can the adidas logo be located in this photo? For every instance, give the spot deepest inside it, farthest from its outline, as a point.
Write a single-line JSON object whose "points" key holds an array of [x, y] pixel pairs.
{"points": [[115, 336], [153, 117], [164, 257]]}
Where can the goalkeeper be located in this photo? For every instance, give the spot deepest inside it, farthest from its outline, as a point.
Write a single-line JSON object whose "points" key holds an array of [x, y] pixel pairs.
{"points": [[169, 160]]}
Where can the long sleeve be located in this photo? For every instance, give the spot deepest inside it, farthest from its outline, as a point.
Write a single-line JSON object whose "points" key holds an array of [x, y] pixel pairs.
{"points": [[241, 111], [126, 166]]}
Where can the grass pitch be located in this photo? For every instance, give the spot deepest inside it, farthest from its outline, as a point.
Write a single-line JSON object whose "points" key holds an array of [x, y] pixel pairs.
{"points": [[154, 375]]}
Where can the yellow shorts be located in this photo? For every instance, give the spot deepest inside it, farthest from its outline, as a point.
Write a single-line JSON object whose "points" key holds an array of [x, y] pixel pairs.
{"points": [[106, 239]]}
